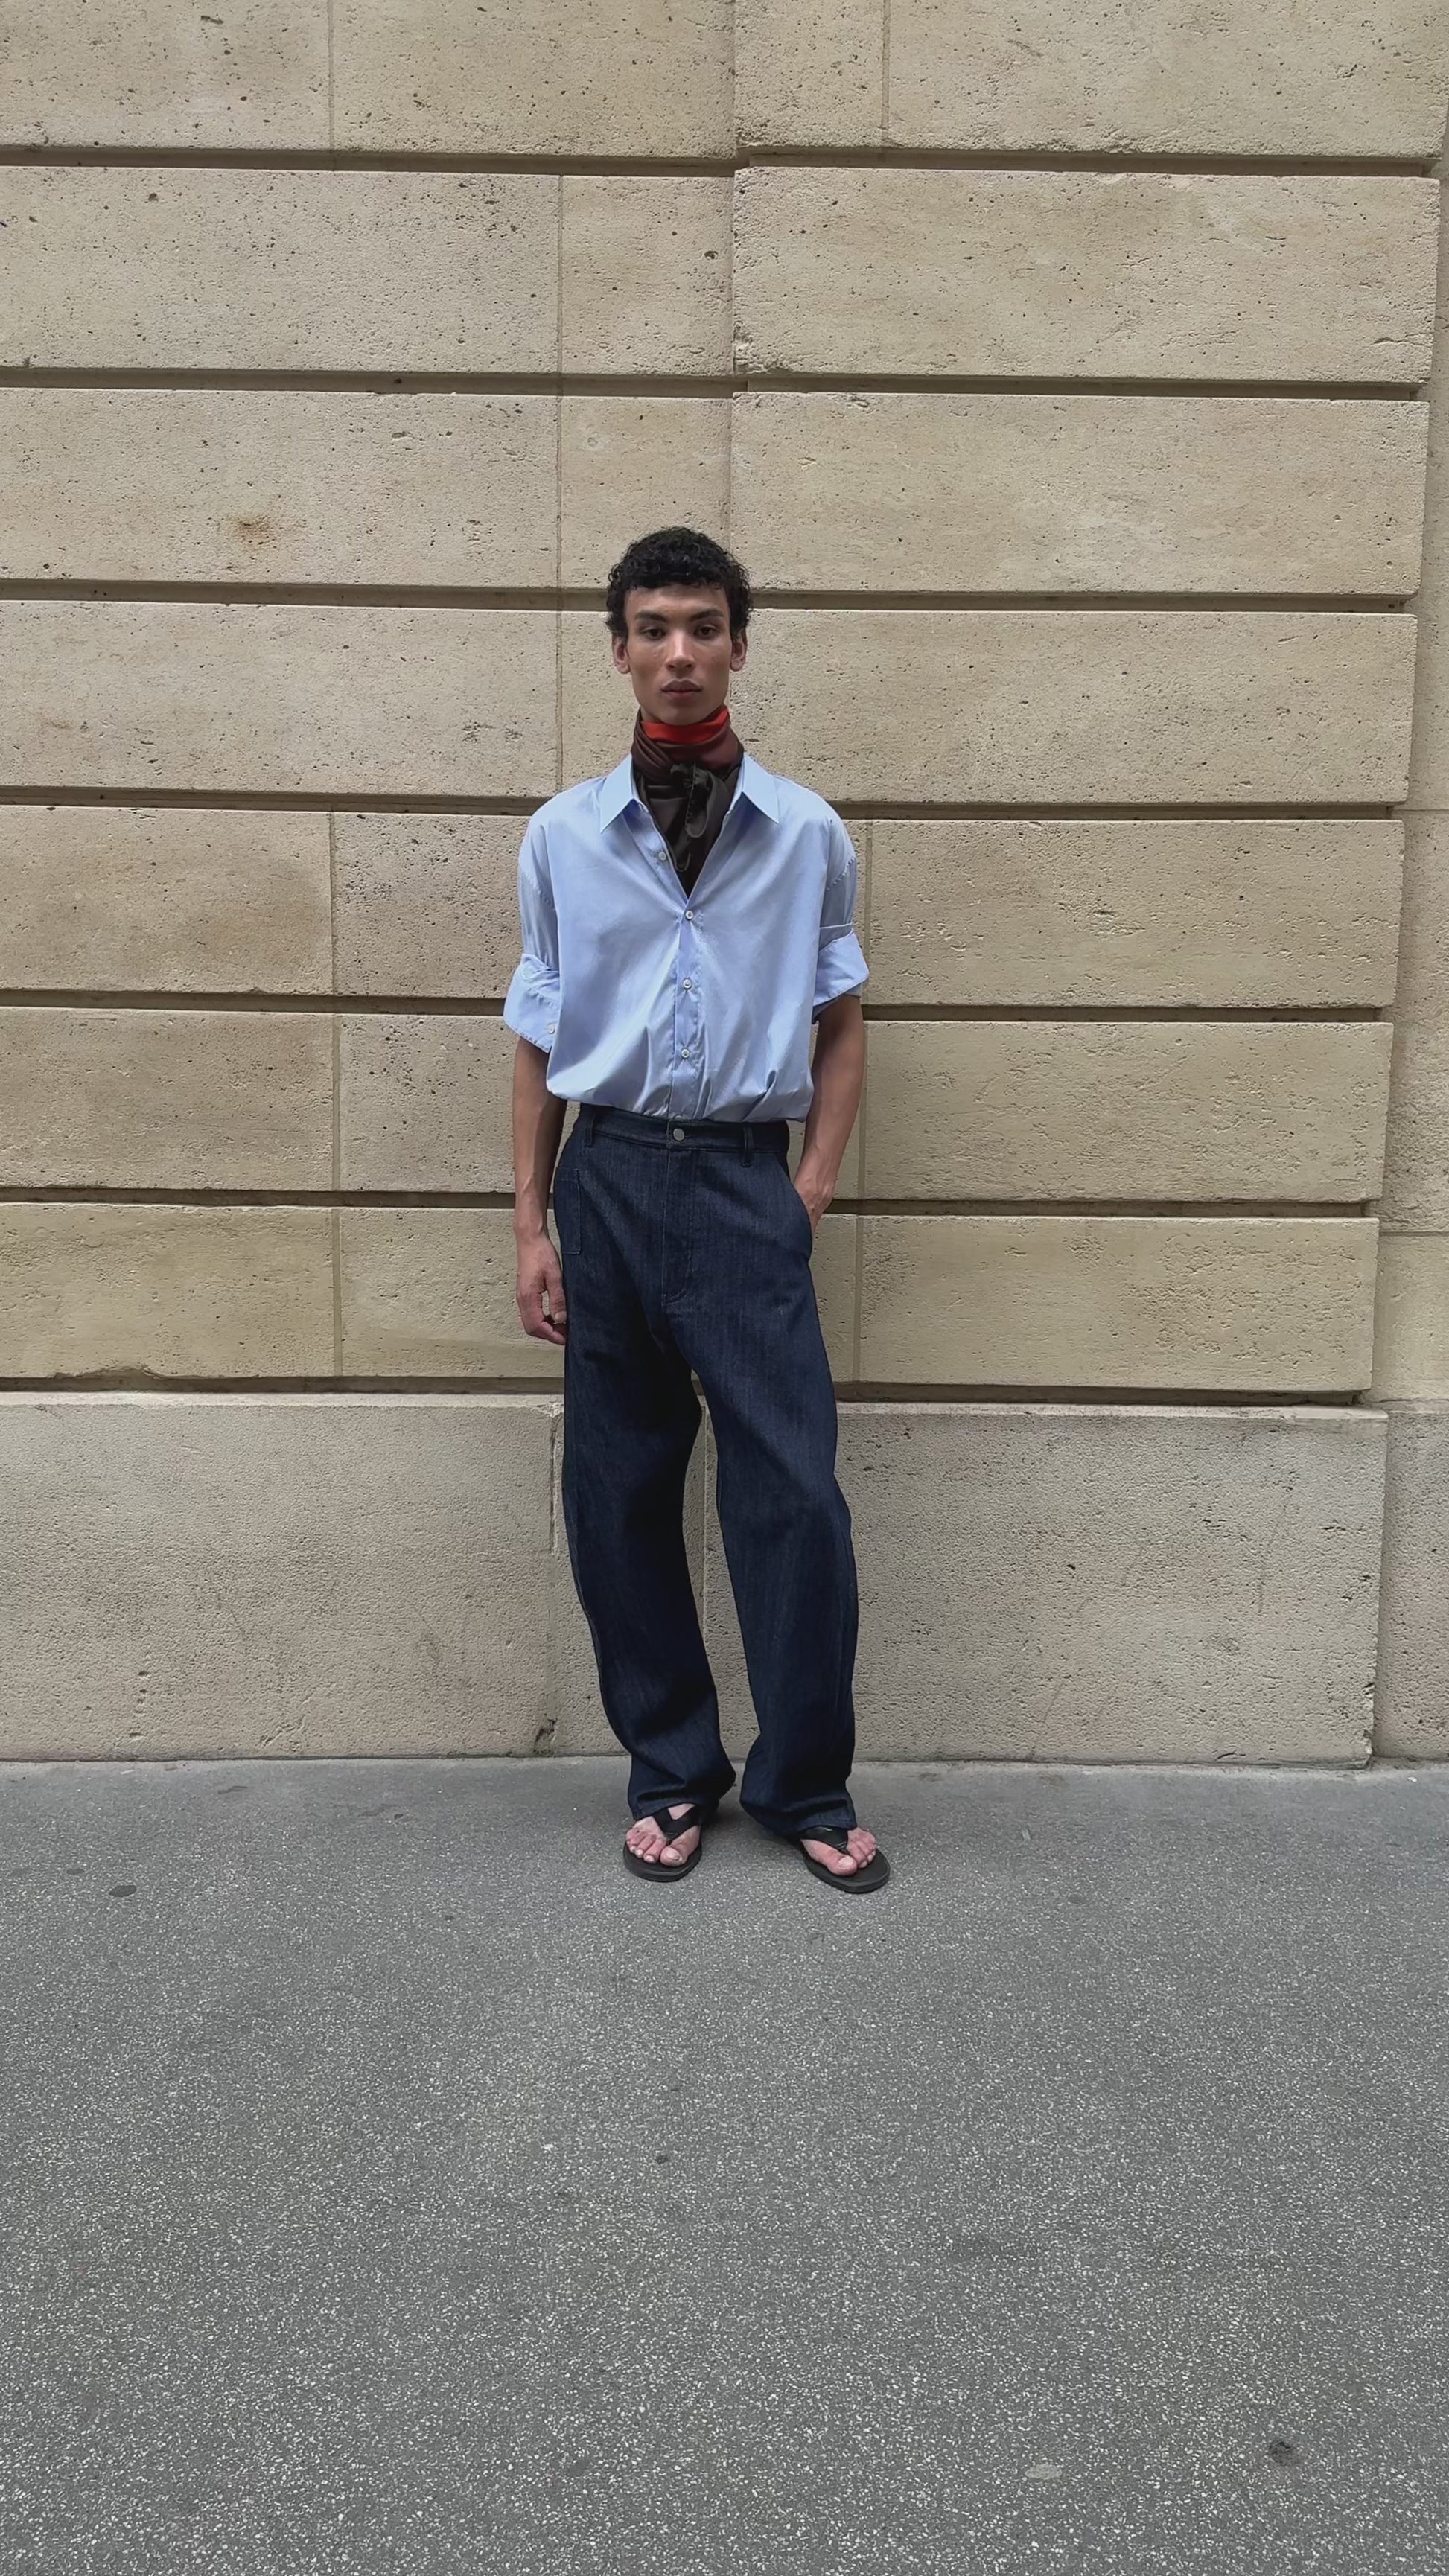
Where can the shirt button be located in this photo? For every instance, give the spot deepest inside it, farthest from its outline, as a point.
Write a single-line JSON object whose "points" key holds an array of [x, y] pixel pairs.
{"points": [[688, 987], [689, 916], [678, 1134]]}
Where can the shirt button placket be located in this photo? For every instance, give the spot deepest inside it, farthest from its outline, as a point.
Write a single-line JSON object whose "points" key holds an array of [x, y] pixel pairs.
{"points": [[685, 1020]]}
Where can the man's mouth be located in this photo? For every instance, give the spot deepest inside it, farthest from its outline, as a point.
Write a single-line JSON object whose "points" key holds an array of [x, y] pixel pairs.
{"points": [[682, 689]]}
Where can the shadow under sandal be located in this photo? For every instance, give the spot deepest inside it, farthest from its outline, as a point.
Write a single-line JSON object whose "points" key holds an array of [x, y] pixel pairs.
{"points": [[673, 1826], [854, 1882]]}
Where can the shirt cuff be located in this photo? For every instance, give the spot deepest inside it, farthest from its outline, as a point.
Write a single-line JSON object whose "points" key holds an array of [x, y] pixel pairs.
{"points": [[841, 969], [530, 1006]]}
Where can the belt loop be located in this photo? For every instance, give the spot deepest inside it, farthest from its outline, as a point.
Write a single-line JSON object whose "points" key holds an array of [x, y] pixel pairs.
{"points": [[588, 1111], [749, 1141]]}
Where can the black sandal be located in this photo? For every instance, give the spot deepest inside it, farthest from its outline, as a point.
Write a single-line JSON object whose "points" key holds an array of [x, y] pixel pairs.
{"points": [[854, 1882], [699, 1814]]}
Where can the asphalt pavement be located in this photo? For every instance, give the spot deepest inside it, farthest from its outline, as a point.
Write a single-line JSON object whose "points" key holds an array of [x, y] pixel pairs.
{"points": [[394, 2186]]}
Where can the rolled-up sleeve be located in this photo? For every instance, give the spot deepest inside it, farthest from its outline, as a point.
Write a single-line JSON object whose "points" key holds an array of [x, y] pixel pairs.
{"points": [[840, 965], [530, 1006]]}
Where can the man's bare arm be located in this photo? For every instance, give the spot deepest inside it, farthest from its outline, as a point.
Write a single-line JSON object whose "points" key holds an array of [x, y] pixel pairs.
{"points": [[538, 1117], [839, 1074]]}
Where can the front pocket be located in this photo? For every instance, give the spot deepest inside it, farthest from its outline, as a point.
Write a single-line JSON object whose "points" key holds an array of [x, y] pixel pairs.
{"points": [[801, 1210]]}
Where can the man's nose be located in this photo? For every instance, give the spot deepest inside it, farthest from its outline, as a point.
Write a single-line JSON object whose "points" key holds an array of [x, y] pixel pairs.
{"points": [[681, 650]]}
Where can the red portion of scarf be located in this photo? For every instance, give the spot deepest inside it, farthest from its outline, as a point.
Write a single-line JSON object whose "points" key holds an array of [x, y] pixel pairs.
{"points": [[690, 737]]}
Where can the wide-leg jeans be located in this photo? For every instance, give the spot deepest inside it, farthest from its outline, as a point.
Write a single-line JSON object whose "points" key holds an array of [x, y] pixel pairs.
{"points": [[685, 1246]]}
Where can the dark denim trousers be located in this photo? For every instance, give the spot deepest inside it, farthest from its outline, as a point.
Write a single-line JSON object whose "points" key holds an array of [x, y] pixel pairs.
{"points": [[685, 1246]]}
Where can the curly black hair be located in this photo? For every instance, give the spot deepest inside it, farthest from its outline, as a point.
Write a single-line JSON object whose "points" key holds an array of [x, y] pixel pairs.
{"points": [[677, 559]]}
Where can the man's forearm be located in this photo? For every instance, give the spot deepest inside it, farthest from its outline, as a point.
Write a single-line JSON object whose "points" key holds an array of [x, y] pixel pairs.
{"points": [[538, 1117], [839, 1074]]}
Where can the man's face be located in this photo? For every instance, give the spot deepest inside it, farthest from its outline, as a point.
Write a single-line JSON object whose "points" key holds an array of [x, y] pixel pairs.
{"points": [[679, 653]]}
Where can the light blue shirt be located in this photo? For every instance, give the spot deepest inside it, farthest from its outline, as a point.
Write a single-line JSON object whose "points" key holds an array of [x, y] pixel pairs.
{"points": [[683, 1005]]}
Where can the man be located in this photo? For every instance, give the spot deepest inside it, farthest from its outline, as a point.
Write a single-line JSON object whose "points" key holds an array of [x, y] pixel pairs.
{"points": [[684, 920]]}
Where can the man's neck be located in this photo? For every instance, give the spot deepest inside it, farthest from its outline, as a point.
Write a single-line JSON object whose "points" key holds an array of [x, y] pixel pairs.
{"points": [[691, 737]]}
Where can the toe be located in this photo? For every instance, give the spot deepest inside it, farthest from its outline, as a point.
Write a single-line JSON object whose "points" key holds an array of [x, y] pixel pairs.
{"points": [[839, 1864]]}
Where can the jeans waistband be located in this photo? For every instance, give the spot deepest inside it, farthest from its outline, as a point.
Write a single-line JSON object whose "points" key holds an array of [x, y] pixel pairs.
{"points": [[742, 1135]]}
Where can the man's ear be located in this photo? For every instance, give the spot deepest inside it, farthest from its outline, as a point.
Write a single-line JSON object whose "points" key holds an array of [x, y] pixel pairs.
{"points": [[619, 650], [739, 646]]}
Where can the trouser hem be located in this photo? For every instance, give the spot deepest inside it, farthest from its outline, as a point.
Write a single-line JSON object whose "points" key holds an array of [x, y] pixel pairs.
{"points": [[791, 1831]]}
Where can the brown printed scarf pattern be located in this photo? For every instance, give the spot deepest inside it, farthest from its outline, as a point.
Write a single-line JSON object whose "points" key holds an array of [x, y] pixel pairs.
{"points": [[688, 789]]}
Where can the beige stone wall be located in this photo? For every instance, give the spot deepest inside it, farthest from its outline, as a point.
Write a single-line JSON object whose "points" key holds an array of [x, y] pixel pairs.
{"points": [[1411, 1353], [1061, 376]]}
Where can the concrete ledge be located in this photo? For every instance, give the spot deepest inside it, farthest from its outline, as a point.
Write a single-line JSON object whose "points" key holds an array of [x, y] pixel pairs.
{"points": [[258, 1574], [1073, 1583], [1412, 1711]]}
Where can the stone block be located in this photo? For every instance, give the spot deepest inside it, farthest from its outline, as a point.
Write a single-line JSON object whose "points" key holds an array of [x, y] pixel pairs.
{"points": [[1422, 990], [152, 74], [1019, 707], [427, 903], [1204, 1305], [426, 1105], [597, 705], [174, 1099], [644, 276], [1135, 1109], [1412, 1706], [1247, 913], [1145, 274], [1055, 493], [811, 74], [1077, 1583], [1429, 774], [426, 1101], [1050, 75], [1411, 1318], [630, 465], [90, 1289], [429, 1292], [442, 272], [521, 76], [1416, 1178], [290, 700], [195, 1576], [162, 899], [425, 491]]}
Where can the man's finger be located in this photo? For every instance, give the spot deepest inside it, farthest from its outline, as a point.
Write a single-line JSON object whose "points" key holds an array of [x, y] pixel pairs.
{"points": [[535, 1321]]}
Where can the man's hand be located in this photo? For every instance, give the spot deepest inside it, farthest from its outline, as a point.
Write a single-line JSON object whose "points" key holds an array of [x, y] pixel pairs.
{"points": [[815, 1180], [540, 1276], [816, 1195]]}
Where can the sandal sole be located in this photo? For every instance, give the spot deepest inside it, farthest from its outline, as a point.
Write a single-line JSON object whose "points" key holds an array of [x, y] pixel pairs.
{"points": [[858, 1882]]}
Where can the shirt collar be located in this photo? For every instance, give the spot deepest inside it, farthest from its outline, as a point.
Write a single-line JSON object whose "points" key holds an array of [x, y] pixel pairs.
{"points": [[617, 790]]}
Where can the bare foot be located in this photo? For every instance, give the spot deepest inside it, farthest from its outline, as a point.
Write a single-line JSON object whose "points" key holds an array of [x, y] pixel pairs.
{"points": [[647, 1839], [858, 1853]]}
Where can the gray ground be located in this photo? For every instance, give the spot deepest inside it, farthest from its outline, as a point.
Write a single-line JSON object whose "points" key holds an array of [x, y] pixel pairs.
{"points": [[393, 2184]]}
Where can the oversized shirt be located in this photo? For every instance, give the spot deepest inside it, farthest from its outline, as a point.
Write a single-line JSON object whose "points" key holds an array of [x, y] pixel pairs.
{"points": [[683, 1004]]}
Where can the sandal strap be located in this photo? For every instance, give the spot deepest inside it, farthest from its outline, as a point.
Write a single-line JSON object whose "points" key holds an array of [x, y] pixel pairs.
{"points": [[671, 1827], [838, 1836]]}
